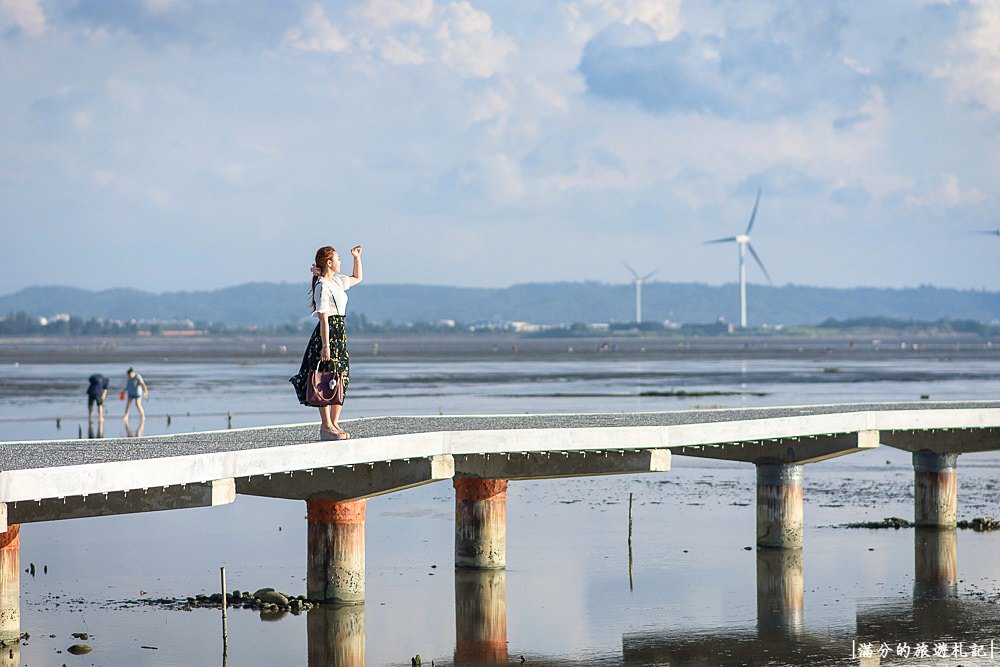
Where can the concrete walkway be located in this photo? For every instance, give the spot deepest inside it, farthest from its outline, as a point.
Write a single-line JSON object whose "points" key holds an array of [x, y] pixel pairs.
{"points": [[47, 480]]}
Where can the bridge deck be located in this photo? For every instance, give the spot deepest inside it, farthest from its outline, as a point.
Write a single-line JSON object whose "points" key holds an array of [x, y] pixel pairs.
{"points": [[46, 480]]}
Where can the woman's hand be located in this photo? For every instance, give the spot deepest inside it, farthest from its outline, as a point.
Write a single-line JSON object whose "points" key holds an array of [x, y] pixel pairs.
{"points": [[356, 250], [324, 354]]}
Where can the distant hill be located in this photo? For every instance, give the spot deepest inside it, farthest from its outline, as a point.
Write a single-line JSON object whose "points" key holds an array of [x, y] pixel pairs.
{"points": [[544, 303]]}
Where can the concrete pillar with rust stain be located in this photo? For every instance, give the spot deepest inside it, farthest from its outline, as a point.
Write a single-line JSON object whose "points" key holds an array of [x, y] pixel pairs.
{"points": [[336, 635], [935, 489], [779, 505], [480, 522], [10, 583], [336, 539], [480, 616]]}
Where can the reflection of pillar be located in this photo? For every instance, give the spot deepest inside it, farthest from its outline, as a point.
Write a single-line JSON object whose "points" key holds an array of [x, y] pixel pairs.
{"points": [[935, 489], [10, 583], [480, 616], [480, 522], [336, 540], [780, 591], [935, 563], [779, 505], [336, 635]]}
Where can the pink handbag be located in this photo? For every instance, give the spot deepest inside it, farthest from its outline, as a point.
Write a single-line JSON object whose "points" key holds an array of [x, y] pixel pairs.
{"points": [[325, 388]]}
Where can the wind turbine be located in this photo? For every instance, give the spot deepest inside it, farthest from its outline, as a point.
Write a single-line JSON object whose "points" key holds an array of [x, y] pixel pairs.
{"points": [[638, 290], [743, 240]]}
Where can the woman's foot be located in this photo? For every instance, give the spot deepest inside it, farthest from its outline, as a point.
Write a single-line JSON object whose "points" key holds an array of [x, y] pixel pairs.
{"points": [[328, 434], [344, 435]]}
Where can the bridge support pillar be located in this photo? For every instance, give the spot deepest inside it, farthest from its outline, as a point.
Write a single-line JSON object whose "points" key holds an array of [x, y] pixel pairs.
{"points": [[480, 617], [336, 542], [779, 505], [935, 489], [10, 583], [480, 522]]}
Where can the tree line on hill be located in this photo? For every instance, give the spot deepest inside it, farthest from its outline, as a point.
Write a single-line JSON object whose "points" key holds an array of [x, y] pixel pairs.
{"points": [[275, 305]]}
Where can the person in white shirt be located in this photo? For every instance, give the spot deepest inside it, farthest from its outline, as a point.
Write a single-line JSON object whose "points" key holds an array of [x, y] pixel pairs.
{"points": [[329, 339]]}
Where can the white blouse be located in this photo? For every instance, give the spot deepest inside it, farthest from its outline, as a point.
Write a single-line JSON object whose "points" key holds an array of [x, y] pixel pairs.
{"points": [[331, 295]]}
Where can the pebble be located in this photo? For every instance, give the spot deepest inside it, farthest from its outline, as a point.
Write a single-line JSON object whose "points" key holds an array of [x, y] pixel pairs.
{"points": [[79, 649]]}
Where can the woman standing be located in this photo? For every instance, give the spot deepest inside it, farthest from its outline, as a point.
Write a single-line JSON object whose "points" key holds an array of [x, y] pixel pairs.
{"points": [[329, 339], [135, 391]]}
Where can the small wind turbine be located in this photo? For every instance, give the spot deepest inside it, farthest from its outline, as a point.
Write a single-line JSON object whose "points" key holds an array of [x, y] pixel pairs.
{"points": [[743, 240], [638, 290]]}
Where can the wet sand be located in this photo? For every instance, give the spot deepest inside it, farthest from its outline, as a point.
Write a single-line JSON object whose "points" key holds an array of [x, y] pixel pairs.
{"points": [[488, 346]]}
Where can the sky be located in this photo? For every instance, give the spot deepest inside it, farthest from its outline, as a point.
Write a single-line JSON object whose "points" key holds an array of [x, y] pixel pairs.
{"points": [[170, 145]]}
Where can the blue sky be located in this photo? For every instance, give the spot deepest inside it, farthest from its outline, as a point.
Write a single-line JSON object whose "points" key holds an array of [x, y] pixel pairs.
{"points": [[190, 144]]}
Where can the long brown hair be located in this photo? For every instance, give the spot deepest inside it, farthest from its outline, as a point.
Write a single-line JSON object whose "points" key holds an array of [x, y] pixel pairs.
{"points": [[323, 255]]}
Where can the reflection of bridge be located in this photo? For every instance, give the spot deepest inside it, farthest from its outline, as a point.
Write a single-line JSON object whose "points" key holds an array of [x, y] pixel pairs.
{"points": [[336, 633], [933, 613], [44, 481]]}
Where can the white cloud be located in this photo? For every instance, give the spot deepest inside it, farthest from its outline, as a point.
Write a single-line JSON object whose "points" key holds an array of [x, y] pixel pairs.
{"points": [[467, 43], [662, 17], [411, 33], [317, 34], [25, 14], [399, 52], [944, 191], [974, 73], [103, 177], [388, 13], [155, 7], [81, 121]]}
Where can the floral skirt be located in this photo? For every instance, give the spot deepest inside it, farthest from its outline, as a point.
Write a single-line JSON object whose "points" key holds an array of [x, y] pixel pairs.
{"points": [[338, 353]]}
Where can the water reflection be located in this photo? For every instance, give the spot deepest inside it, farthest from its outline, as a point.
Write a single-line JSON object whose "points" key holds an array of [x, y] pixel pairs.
{"points": [[935, 563], [933, 614], [780, 637], [10, 655], [780, 593], [138, 431], [336, 635], [480, 616]]}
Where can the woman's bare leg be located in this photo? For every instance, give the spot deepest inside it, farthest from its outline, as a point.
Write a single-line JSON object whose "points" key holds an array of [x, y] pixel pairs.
{"points": [[324, 417], [335, 410], [128, 404], [142, 413]]}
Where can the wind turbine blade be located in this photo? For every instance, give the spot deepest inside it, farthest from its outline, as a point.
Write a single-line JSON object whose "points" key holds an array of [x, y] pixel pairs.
{"points": [[649, 275], [631, 270], [728, 239], [759, 263], [753, 215]]}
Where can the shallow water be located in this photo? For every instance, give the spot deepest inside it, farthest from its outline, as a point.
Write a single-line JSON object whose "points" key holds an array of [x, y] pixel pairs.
{"points": [[694, 596]]}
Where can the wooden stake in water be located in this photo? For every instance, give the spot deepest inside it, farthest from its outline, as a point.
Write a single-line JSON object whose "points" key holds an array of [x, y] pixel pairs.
{"points": [[225, 618], [229, 420], [630, 587]]}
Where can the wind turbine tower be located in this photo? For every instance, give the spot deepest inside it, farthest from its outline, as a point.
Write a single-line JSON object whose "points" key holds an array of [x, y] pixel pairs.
{"points": [[639, 280], [743, 241]]}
